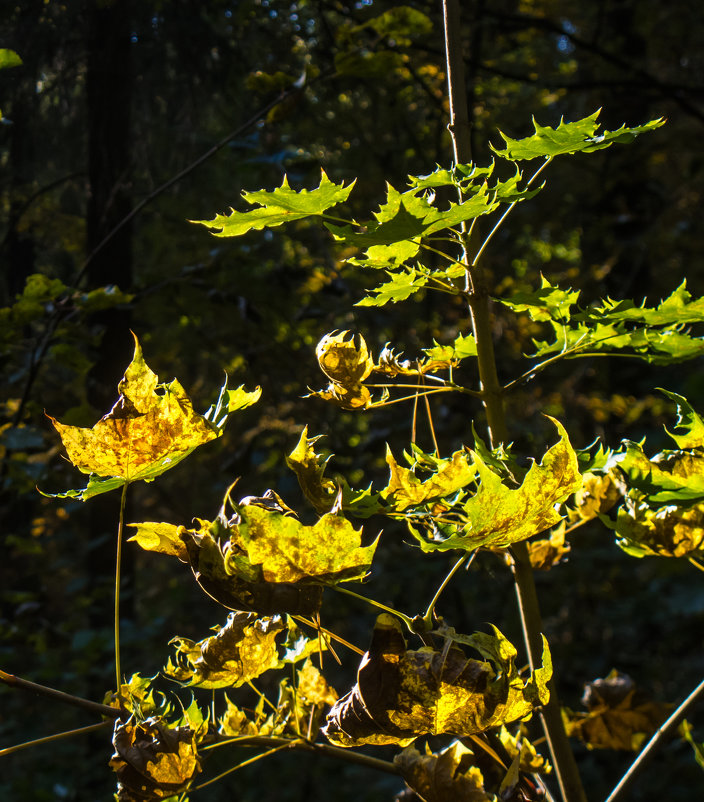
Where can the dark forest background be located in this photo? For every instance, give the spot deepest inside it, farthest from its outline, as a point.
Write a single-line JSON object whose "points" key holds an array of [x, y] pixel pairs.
{"points": [[114, 100]]}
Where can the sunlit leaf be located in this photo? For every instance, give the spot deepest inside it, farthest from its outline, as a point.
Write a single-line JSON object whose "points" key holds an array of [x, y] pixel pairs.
{"points": [[498, 515], [685, 729], [406, 490], [153, 760], [8, 58], [344, 358], [690, 426], [596, 496], [574, 137], [150, 429], [160, 537], [619, 715], [279, 206], [671, 477], [399, 287], [312, 688], [309, 468], [547, 303], [235, 722], [238, 653], [528, 758], [236, 584], [670, 531], [328, 552], [401, 694]]}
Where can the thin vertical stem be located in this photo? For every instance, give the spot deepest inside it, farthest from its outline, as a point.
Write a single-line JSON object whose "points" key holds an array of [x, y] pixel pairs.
{"points": [[118, 562], [492, 395]]}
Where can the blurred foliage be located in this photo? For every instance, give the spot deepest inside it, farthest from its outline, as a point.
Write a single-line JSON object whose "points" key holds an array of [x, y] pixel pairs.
{"points": [[372, 106]]}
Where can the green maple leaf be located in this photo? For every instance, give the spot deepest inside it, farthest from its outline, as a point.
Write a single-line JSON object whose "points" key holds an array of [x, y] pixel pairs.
{"points": [[547, 303], [672, 477], [8, 58], [281, 205], [151, 428], [575, 137], [399, 287], [689, 424], [498, 515]]}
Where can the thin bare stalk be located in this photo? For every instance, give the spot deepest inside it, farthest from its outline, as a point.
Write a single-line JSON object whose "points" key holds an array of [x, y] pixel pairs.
{"points": [[427, 618], [658, 739], [60, 696], [406, 620], [118, 563], [8, 750], [492, 393]]}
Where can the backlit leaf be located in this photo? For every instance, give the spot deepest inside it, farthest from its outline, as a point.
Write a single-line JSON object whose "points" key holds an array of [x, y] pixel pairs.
{"points": [[344, 358], [281, 205], [238, 653], [328, 552], [670, 531], [406, 490], [399, 287], [160, 537], [547, 553], [236, 584], [498, 515], [690, 426], [574, 137], [309, 468], [151, 428], [235, 722], [8, 58], [400, 694]]}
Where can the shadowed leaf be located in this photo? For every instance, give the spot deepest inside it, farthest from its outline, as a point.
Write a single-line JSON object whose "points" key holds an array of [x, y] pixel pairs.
{"points": [[402, 694], [153, 761], [619, 717]]}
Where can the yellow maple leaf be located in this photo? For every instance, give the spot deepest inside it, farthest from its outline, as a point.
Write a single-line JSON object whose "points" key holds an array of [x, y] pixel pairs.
{"points": [[151, 428]]}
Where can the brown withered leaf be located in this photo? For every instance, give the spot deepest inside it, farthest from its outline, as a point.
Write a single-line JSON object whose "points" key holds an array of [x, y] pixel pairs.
{"points": [[447, 775], [238, 653], [619, 715], [546, 553], [153, 761], [401, 694]]}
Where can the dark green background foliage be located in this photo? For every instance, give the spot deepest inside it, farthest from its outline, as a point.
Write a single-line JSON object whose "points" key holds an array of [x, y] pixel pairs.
{"points": [[115, 99]]}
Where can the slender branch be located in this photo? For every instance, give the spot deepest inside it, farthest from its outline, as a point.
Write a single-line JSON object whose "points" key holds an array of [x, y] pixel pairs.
{"points": [[659, 737], [329, 634], [242, 765], [60, 696], [406, 620], [427, 618], [477, 284], [118, 563], [508, 211], [335, 752], [8, 750]]}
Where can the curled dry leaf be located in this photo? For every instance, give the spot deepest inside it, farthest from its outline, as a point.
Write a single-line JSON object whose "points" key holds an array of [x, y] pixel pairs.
{"points": [[309, 468], [597, 495], [619, 715], [238, 653], [343, 360], [401, 694], [153, 761]]}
